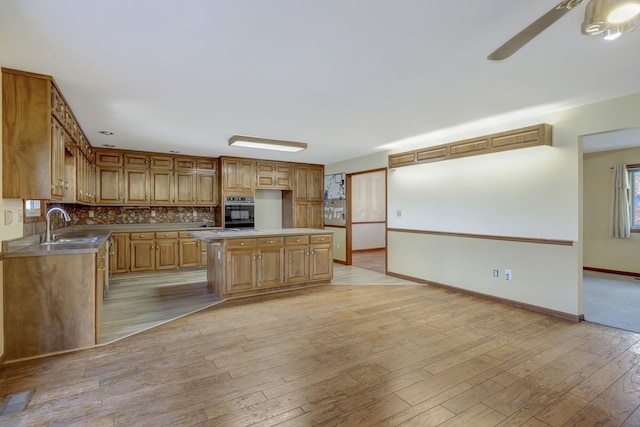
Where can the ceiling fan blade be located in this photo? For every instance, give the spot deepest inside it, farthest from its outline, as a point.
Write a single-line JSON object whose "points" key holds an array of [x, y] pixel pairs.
{"points": [[529, 33]]}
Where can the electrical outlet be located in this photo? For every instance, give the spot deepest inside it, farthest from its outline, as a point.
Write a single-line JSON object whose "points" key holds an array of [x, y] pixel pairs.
{"points": [[195, 213], [507, 274], [496, 272], [91, 214], [153, 214], [398, 212]]}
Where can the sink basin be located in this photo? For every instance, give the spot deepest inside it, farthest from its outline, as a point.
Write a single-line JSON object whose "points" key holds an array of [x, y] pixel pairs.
{"points": [[73, 241]]}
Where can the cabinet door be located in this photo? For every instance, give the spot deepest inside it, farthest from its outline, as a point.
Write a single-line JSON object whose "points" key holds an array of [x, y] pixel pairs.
{"points": [[161, 188], [300, 215], [297, 264], [136, 187], [157, 161], [300, 182], [109, 158], [321, 262], [57, 159], [166, 254], [99, 281], [190, 253], [110, 187], [315, 215], [119, 253], [203, 253], [136, 161], [143, 255], [240, 269], [207, 189], [315, 183], [185, 188], [237, 175], [270, 267]]}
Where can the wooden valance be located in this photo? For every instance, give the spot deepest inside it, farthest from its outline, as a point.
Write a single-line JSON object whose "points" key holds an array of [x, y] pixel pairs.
{"points": [[510, 140]]}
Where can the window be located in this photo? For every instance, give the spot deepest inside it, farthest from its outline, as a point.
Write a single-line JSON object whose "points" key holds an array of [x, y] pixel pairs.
{"points": [[634, 178], [33, 211]]}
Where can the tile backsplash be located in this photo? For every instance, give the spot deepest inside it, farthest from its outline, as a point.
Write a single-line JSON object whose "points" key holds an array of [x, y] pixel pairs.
{"points": [[104, 215]]}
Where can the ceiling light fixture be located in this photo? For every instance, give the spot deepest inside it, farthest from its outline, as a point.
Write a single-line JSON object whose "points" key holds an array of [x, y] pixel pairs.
{"points": [[622, 11], [266, 144], [610, 18]]}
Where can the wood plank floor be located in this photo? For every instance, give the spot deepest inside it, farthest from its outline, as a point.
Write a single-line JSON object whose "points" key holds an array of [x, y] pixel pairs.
{"points": [[139, 301], [349, 355], [373, 259]]}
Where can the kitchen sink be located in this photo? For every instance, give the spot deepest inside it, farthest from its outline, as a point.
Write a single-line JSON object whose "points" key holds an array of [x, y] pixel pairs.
{"points": [[73, 241]]}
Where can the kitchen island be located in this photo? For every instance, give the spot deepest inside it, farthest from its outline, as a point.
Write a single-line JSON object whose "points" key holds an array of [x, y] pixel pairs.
{"points": [[244, 263]]}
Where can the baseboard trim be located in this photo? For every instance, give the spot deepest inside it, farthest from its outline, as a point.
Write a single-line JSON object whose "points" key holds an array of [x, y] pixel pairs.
{"points": [[542, 310], [605, 270], [339, 261], [368, 250]]}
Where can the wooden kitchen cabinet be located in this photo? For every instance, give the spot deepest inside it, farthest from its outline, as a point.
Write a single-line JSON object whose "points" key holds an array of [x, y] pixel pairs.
{"points": [[119, 253], [136, 160], [100, 278], [309, 182], [297, 259], [52, 303], [196, 188], [237, 175], [308, 214], [166, 250], [37, 125], [109, 158], [136, 187], [270, 262], [273, 175], [190, 254], [161, 187], [321, 257], [247, 266], [241, 265], [110, 182], [142, 251]]}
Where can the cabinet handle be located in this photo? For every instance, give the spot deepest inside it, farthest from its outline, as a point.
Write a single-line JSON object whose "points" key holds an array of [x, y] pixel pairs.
{"points": [[141, 236], [270, 242], [166, 235], [101, 269], [241, 243]]}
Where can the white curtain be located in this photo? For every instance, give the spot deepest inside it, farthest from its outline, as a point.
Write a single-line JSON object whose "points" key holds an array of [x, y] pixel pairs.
{"points": [[620, 209]]}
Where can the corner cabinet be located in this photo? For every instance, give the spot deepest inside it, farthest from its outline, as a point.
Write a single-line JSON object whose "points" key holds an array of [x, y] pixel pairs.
{"points": [[37, 125], [249, 266]]}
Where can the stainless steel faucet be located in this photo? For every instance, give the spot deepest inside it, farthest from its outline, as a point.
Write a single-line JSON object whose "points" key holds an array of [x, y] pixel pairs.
{"points": [[48, 216]]}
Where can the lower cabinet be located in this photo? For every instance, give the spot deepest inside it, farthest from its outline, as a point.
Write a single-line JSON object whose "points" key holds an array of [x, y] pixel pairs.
{"points": [[243, 266], [167, 250], [142, 250]]}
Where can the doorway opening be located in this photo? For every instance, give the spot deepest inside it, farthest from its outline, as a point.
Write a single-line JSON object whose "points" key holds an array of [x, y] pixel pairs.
{"points": [[367, 219]]}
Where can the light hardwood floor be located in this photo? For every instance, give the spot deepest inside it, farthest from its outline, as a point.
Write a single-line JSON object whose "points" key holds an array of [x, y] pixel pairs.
{"points": [[351, 355]]}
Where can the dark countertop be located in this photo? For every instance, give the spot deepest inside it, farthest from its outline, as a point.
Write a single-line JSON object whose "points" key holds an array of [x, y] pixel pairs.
{"points": [[211, 235], [94, 236]]}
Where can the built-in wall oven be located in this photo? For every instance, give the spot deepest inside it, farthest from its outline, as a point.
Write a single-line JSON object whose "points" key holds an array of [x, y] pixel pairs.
{"points": [[239, 212]]}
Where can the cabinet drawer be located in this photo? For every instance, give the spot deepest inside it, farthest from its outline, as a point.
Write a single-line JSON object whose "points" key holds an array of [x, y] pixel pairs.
{"points": [[185, 235], [141, 236], [160, 162], [270, 241], [321, 238], [136, 161], [167, 235], [297, 240], [241, 243]]}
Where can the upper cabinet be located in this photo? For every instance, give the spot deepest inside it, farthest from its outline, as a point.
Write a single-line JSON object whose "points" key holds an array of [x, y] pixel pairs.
{"points": [[133, 178], [38, 131], [238, 175], [309, 182], [273, 175]]}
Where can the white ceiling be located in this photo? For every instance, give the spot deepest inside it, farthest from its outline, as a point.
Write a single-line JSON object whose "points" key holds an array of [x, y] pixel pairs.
{"points": [[345, 76]]}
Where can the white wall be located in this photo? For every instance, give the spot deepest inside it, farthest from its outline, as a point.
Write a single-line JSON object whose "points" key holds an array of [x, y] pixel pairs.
{"points": [[268, 209], [535, 192]]}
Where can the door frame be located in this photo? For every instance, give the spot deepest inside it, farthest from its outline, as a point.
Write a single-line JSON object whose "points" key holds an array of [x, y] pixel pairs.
{"points": [[349, 224]]}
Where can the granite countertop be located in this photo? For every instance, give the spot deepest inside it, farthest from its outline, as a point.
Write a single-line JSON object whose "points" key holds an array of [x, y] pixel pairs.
{"points": [[93, 237], [211, 235]]}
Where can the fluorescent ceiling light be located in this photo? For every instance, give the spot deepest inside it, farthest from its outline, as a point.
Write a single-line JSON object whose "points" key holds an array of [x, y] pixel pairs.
{"points": [[622, 11], [266, 144]]}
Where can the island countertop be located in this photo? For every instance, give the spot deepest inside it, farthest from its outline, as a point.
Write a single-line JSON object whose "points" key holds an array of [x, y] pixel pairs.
{"points": [[212, 235]]}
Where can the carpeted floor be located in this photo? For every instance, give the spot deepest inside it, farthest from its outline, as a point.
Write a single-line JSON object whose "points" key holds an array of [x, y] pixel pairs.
{"points": [[612, 300]]}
